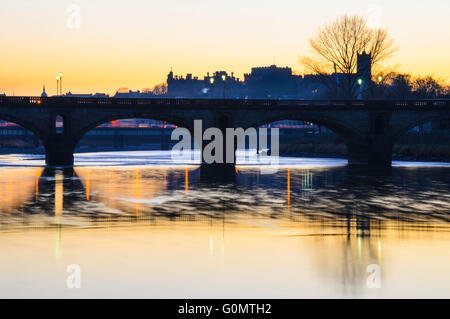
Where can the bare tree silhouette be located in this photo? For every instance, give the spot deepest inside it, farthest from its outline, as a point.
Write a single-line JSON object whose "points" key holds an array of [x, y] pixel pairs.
{"points": [[159, 89], [336, 48], [429, 88], [404, 86]]}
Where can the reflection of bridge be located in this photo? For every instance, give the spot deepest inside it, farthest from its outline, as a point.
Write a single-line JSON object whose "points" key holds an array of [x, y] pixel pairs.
{"points": [[368, 127]]}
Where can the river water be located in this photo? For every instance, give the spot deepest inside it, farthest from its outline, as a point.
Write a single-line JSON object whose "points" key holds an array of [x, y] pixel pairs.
{"points": [[138, 224]]}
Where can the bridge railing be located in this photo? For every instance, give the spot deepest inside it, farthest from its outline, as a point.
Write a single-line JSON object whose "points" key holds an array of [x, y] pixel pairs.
{"points": [[93, 101]]}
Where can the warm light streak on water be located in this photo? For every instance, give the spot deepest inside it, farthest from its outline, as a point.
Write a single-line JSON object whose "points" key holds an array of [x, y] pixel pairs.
{"points": [[59, 193], [186, 181], [88, 185]]}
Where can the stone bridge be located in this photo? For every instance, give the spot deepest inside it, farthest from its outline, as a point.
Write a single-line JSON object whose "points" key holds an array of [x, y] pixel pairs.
{"points": [[368, 127]]}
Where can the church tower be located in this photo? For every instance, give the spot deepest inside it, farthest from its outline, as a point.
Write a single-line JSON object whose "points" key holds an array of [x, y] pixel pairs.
{"points": [[43, 94], [364, 74], [364, 66]]}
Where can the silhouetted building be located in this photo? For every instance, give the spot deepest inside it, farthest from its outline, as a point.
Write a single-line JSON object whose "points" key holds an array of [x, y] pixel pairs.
{"points": [[133, 94], [263, 82], [272, 82], [364, 74], [312, 87], [218, 85], [96, 95], [43, 94]]}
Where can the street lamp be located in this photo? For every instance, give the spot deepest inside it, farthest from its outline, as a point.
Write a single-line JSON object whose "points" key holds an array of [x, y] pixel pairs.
{"points": [[360, 83], [211, 80], [380, 78], [57, 85], [224, 77], [60, 82]]}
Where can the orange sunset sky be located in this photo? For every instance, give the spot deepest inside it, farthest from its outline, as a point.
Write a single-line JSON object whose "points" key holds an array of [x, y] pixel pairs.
{"points": [[101, 46]]}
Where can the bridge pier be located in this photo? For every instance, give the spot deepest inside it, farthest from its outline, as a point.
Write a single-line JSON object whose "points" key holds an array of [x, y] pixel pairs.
{"points": [[218, 171], [224, 168], [59, 153], [165, 139], [221, 172], [376, 153]]}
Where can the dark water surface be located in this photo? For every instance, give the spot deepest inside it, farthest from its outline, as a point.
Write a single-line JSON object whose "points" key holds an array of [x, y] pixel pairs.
{"points": [[140, 226]]}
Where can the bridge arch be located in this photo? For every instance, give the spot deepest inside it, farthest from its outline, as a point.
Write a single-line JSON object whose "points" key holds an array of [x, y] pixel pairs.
{"points": [[353, 135], [347, 134], [30, 126], [60, 124], [78, 135], [24, 136], [401, 127], [159, 138], [426, 144]]}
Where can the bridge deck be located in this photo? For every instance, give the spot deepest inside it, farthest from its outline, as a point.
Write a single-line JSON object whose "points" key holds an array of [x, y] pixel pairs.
{"points": [[33, 101]]}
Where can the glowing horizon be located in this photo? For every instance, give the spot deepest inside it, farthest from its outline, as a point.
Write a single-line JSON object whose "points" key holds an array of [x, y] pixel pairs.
{"points": [[134, 44]]}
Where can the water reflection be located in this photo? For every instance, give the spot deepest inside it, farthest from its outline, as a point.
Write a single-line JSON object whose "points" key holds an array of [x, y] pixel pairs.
{"points": [[327, 197], [17, 185], [340, 220]]}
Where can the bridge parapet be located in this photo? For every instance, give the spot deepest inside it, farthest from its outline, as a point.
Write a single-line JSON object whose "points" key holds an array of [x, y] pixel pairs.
{"points": [[61, 101]]}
